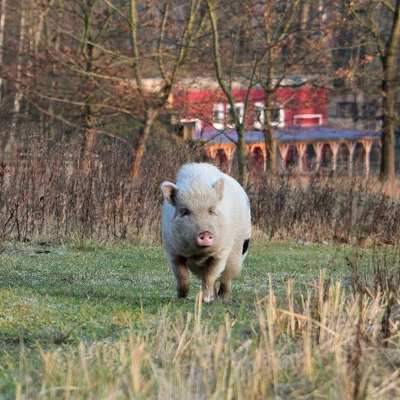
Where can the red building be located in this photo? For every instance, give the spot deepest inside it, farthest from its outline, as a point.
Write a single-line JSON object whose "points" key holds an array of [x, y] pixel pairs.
{"points": [[305, 142], [204, 105]]}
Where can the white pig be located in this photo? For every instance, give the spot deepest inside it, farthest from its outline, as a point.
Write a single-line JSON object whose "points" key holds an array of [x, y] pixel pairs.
{"points": [[206, 227]]}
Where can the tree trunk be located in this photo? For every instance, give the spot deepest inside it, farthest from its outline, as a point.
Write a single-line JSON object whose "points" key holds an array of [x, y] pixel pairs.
{"points": [[241, 156], [389, 86], [2, 31], [270, 144], [139, 148], [89, 141], [304, 18], [50, 121], [388, 160], [270, 150], [18, 93]]}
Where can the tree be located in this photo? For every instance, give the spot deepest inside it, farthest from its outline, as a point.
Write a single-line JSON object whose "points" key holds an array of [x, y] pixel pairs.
{"points": [[170, 60], [227, 74], [277, 27], [111, 61], [19, 71], [3, 11], [381, 21], [293, 39], [265, 43]]}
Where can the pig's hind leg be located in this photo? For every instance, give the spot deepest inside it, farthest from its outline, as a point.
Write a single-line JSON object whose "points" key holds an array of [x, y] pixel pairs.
{"points": [[232, 271]]}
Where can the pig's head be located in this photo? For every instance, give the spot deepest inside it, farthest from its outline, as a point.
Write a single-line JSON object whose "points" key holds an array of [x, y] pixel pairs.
{"points": [[197, 223]]}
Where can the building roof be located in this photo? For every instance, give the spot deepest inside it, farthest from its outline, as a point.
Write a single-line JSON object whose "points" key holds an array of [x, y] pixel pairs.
{"points": [[210, 82], [311, 134]]}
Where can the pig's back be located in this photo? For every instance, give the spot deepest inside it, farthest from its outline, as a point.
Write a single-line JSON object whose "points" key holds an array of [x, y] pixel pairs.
{"points": [[192, 173]]}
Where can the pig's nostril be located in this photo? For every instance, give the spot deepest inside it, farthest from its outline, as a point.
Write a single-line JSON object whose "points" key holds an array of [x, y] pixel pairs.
{"points": [[205, 239]]}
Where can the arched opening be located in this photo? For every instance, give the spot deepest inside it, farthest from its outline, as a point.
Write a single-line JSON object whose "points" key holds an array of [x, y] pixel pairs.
{"points": [[256, 162], [359, 160], [257, 157], [326, 158], [222, 160], [292, 158], [375, 158], [311, 158], [343, 159]]}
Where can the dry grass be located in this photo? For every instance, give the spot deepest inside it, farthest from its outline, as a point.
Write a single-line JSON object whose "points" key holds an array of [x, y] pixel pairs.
{"points": [[45, 194], [339, 210], [325, 343], [326, 338]]}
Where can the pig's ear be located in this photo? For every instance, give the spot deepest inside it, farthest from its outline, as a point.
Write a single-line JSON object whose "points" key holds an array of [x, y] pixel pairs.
{"points": [[219, 188], [170, 191]]}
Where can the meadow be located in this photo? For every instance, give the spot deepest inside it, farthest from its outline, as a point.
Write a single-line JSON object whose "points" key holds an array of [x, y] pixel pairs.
{"points": [[88, 308], [86, 320]]}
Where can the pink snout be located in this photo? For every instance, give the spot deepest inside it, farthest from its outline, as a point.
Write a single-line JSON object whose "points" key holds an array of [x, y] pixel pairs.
{"points": [[205, 239]]}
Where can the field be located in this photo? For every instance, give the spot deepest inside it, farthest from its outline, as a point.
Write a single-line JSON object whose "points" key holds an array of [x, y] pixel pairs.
{"points": [[91, 321]]}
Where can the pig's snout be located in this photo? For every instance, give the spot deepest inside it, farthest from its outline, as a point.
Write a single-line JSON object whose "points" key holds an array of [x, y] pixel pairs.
{"points": [[205, 239]]}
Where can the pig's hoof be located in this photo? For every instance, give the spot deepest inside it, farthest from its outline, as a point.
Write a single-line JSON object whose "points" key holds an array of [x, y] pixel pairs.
{"points": [[182, 293], [225, 296], [208, 297], [224, 291]]}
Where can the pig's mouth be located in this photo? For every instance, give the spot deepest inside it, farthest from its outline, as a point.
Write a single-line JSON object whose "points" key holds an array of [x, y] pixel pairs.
{"points": [[198, 244]]}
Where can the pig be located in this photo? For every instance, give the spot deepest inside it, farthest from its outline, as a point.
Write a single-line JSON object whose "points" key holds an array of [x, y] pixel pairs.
{"points": [[206, 228]]}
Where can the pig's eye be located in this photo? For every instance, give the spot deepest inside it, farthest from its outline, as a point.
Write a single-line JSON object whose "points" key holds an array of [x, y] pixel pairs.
{"points": [[184, 212], [211, 211]]}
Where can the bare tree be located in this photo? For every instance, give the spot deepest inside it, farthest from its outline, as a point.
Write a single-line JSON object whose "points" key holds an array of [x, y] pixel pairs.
{"points": [[3, 11], [227, 71], [380, 20], [113, 62], [169, 65], [91, 37], [281, 40], [19, 71], [277, 27]]}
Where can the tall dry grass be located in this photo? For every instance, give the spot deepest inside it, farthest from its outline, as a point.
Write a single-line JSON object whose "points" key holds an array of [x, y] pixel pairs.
{"points": [[45, 194], [325, 342], [326, 209]]}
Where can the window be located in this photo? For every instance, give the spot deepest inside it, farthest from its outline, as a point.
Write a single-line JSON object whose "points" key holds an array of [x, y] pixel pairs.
{"points": [[239, 112], [277, 115], [369, 111], [259, 115], [307, 119], [346, 109], [218, 115]]}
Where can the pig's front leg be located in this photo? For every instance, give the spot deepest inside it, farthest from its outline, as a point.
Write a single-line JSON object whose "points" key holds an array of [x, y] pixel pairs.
{"points": [[211, 274], [181, 272]]}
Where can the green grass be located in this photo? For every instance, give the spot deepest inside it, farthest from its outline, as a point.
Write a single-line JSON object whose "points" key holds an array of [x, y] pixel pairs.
{"points": [[54, 298], [88, 294]]}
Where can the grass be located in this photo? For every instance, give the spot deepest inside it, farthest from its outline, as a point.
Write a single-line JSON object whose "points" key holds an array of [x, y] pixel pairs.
{"points": [[96, 321]]}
